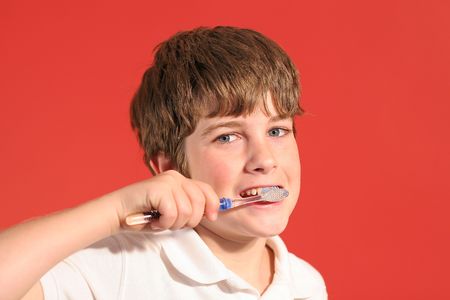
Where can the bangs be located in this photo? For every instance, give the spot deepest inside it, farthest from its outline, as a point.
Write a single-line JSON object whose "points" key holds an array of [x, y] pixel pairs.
{"points": [[243, 105]]}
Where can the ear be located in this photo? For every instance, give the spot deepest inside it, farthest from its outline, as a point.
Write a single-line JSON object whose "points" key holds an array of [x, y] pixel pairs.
{"points": [[160, 163]]}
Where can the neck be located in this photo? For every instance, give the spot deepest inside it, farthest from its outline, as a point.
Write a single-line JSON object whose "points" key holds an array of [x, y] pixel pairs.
{"points": [[250, 259]]}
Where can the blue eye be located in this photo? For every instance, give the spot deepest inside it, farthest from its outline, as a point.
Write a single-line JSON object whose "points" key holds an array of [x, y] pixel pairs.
{"points": [[226, 138], [278, 132]]}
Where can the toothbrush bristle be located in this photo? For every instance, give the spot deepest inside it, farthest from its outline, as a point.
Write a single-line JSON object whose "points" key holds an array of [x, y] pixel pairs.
{"points": [[273, 194]]}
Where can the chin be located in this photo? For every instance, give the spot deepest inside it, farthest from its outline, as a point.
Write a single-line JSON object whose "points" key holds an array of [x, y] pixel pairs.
{"points": [[268, 229]]}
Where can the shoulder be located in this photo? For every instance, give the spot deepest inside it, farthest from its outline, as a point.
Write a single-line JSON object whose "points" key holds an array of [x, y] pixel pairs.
{"points": [[104, 268], [304, 270], [113, 253], [111, 257], [114, 247]]}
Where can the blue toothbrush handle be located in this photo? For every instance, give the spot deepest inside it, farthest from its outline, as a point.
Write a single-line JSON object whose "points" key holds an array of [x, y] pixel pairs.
{"points": [[225, 204], [145, 217]]}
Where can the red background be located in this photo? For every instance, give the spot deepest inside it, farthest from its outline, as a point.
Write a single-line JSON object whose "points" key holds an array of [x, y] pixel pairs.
{"points": [[373, 215]]}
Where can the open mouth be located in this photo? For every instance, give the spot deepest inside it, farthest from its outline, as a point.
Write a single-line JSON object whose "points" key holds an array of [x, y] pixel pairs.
{"points": [[254, 191]]}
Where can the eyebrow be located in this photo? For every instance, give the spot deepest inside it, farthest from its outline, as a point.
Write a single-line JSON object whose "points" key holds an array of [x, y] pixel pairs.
{"points": [[235, 124]]}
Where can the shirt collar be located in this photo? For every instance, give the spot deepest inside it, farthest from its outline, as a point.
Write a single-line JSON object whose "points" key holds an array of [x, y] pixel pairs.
{"points": [[187, 252], [300, 287], [190, 256]]}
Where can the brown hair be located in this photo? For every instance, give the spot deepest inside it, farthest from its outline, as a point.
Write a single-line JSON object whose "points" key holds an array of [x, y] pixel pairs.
{"points": [[208, 72]]}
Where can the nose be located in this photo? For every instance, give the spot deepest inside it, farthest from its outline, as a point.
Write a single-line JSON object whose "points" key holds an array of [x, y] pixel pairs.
{"points": [[261, 159]]}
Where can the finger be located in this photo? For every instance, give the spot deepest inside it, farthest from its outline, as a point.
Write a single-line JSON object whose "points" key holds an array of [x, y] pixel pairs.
{"points": [[197, 200], [184, 209], [168, 210], [212, 201]]}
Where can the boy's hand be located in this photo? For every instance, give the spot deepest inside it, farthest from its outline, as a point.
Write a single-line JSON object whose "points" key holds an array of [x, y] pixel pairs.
{"points": [[181, 201]]}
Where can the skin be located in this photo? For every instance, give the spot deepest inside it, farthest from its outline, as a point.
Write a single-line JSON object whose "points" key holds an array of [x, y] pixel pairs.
{"points": [[242, 153], [235, 154], [258, 151]]}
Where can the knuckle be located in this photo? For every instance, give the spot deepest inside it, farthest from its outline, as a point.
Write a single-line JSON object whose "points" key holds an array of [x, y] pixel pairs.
{"points": [[165, 176], [174, 174], [208, 190], [207, 187], [201, 184]]}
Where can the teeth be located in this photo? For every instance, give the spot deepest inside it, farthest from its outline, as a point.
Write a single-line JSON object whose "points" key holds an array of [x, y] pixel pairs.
{"points": [[250, 192]]}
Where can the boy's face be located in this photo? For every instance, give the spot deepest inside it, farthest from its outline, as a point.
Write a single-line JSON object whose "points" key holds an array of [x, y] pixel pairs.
{"points": [[234, 154]]}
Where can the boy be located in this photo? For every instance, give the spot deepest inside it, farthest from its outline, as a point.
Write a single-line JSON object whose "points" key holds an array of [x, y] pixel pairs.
{"points": [[214, 115]]}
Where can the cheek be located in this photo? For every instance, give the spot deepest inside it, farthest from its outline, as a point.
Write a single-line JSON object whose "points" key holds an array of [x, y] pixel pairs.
{"points": [[212, 169], [289, 157], [291, 165]]}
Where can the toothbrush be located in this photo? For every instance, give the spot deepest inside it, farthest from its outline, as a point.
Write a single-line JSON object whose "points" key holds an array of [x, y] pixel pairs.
{"points": [[265, 194]]}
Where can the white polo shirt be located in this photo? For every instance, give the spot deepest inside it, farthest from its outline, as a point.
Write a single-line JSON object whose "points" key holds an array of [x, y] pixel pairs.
{"points": [[171, 265]]}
